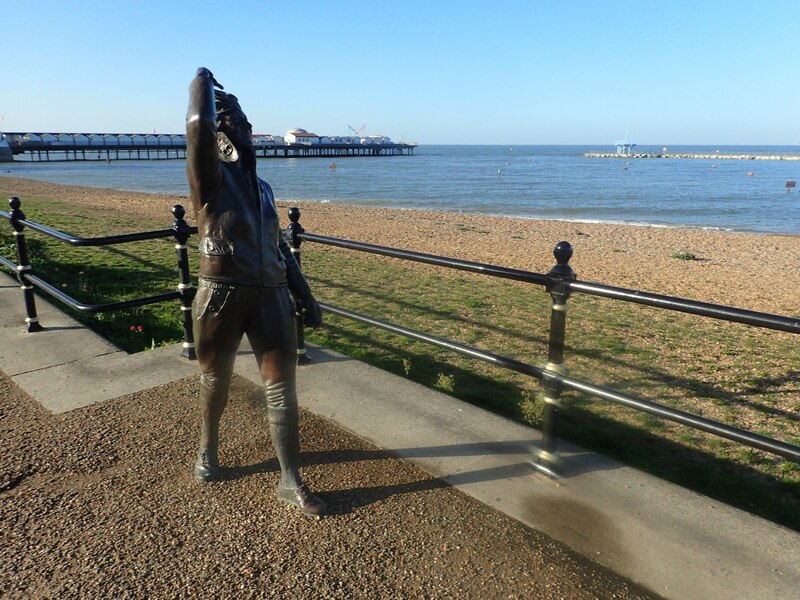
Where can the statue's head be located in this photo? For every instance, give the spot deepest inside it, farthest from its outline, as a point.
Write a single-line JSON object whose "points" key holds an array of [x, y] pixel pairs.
{"points": [[232, 121]]}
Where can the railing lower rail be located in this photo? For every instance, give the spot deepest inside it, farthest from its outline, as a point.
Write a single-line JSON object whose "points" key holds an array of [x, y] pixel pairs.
{"points": [[98, 308], [736, 434]]}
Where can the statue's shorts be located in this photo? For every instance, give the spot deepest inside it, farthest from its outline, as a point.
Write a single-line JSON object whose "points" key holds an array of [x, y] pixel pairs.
{"points": [[222, 313]]}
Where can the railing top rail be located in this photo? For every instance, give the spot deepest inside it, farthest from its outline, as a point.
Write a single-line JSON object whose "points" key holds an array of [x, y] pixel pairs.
{"points": [[106, 240], [706, 309], [432, 259]]}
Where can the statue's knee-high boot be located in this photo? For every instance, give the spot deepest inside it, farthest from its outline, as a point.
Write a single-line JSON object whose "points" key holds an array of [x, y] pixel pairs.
{"points": [[284, 430], [213, 399]]}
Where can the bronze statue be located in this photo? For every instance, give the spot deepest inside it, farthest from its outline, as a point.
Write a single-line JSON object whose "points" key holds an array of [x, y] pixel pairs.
{"points": [[245, 276]]}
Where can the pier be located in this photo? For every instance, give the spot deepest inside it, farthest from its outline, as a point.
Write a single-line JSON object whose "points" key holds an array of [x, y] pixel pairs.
{"points": [[47, 147], [714, 156]]}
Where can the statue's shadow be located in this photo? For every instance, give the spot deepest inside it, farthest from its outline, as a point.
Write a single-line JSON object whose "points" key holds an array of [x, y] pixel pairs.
{"points": [[232, 473], [344, 500]]}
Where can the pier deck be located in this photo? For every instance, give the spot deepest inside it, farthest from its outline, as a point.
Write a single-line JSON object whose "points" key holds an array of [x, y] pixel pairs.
{"points": [[46, 147]]}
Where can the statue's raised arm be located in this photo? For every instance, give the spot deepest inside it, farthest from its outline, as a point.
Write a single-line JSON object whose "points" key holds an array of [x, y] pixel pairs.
{"points": [[202, 154]]}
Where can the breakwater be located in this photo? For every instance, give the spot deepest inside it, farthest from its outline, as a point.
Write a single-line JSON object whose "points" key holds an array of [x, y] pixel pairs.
{"points": [[714, 156]]}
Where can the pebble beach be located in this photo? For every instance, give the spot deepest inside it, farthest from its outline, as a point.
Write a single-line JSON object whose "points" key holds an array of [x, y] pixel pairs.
{"points": [[752, 271]]}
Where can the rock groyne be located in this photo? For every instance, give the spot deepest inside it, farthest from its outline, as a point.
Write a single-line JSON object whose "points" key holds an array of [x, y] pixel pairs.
{"points": [[714, 156]]}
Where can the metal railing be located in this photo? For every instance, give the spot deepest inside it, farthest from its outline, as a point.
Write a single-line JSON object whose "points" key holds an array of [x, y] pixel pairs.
{"points": [[185, 293], [560, 283]]}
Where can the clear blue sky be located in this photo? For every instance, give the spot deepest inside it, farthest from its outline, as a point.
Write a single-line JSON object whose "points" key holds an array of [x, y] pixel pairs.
{"points": [[435, 72]]}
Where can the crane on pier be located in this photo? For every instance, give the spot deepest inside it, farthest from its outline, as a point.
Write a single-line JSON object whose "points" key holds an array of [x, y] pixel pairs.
{"points": [[357, 132]]}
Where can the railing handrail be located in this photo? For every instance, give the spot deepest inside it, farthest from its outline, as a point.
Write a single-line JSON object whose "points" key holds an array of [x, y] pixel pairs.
{"points": [[696, 307], [431, 259], [705, 309], [106, 240]]}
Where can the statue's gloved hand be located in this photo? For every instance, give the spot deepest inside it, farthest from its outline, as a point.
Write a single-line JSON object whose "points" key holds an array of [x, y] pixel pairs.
{"points": [[312, 313], [203, 72]]}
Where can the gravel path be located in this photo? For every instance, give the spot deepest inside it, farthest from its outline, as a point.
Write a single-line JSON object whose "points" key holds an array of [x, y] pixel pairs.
{"points": [[100, 502]]}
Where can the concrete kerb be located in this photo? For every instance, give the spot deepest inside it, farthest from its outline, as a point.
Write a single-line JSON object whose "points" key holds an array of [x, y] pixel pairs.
{"points": [[676, 542]]}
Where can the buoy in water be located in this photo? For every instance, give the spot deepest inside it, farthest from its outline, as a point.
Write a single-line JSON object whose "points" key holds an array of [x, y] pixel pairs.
{"points": [[713, 166], [750, 174]]}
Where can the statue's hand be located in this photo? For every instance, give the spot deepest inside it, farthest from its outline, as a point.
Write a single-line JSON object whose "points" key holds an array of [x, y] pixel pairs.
{"points": [[312, 313], [203, 72]]}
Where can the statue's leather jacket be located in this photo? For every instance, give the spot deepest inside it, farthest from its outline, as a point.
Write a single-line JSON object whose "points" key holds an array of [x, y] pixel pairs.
{"points": [[240, 237]]}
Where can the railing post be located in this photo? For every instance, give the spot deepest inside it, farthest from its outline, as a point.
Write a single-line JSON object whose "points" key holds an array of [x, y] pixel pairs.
{"points": [[558, 287], [292, 235], [182, 231], [23, 267]]}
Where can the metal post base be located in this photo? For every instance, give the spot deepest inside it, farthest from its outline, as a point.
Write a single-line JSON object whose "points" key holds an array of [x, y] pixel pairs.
{"points": [[302, 358]]}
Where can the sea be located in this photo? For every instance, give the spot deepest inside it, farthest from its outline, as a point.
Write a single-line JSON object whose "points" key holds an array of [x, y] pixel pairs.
{"points": [[537, 182]]}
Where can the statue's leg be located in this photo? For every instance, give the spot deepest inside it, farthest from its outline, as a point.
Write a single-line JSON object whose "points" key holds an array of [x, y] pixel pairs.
{"points": [[217, 333], [213, 399], [284, 429], [274, 343]]}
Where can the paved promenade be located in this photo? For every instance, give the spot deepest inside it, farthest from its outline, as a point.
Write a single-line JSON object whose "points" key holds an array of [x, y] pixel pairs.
{"points": [[674, 542]]}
